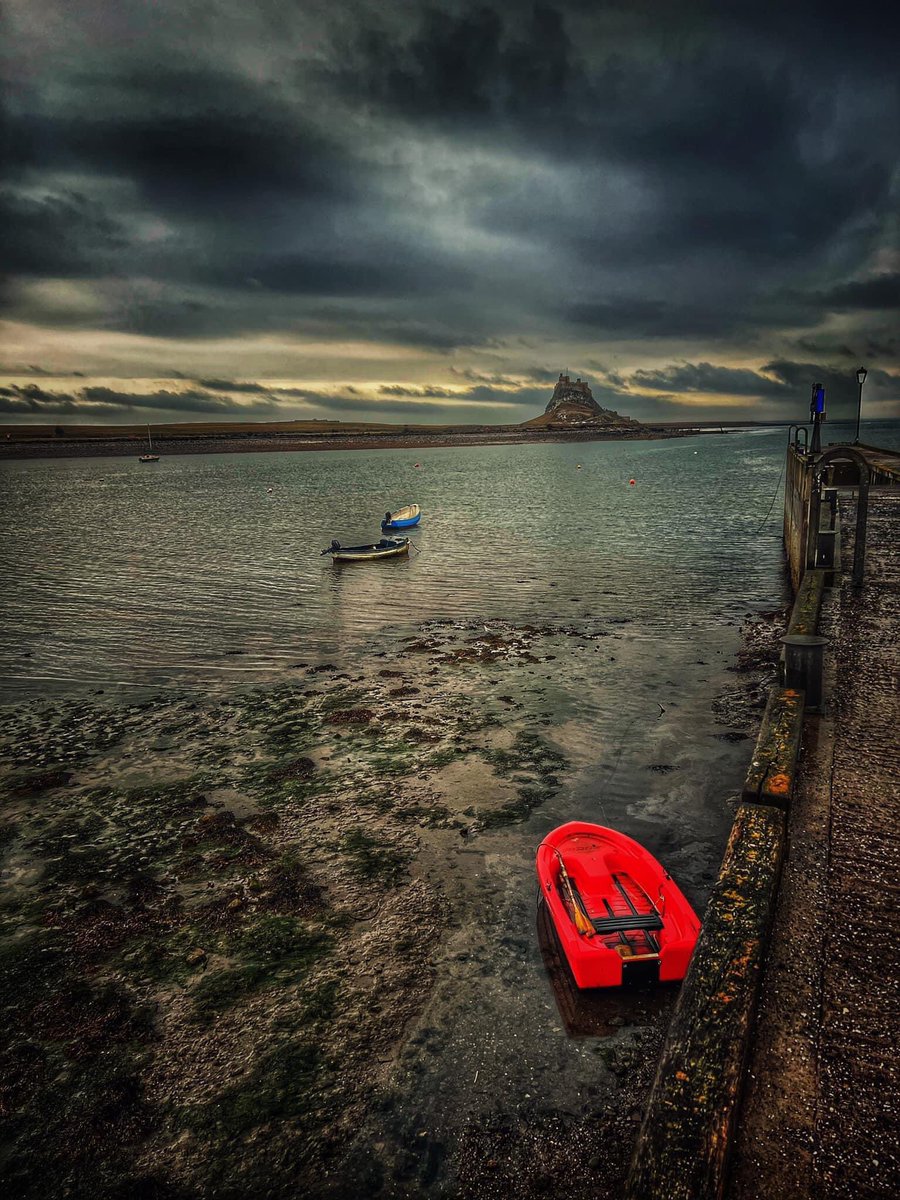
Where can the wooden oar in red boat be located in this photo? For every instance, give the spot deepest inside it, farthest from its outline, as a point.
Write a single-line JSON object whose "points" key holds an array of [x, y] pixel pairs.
{"points": [[580, 918]]}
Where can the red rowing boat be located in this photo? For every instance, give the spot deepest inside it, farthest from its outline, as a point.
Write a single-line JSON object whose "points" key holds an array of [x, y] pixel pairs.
{"points": [[619, 915]]}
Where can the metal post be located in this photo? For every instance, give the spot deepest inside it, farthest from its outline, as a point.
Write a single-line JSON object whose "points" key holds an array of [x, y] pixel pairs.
{"points": [[804, 656], [794, 432], [829, 496], [817, 415], [812, 530], [859, 542], [860, 379], [825, 544]]}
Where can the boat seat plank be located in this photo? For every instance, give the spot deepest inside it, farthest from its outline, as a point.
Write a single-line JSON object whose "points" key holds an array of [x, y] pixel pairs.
{"points": [[621, 924]]}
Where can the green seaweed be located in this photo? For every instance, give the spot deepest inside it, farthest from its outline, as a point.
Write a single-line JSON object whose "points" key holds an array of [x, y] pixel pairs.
{"points": [[287, 1086], [273, 948], [372, 860], [320, 1004], [527, 753]]}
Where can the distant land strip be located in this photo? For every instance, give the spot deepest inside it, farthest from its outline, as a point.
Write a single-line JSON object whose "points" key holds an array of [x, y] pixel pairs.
{"points": [[61, 441]]}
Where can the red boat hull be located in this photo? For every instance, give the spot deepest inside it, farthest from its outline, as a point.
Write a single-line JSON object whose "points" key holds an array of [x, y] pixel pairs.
{"points": [[618, 914]]}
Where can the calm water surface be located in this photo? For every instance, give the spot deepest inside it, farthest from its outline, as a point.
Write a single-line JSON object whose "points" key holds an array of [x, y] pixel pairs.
{"points": [[191, 570]]}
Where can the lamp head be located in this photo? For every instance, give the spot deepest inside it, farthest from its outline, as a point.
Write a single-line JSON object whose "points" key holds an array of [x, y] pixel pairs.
{"points": [[861, 374]]}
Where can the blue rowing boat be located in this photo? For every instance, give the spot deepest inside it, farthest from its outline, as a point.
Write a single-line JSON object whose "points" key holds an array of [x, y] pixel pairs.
{"points": [[403, 518]]}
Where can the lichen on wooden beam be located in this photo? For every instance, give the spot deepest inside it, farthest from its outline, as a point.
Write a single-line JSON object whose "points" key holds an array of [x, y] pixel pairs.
{"points": [[771, 776], [682, 1149], [805, 613]]}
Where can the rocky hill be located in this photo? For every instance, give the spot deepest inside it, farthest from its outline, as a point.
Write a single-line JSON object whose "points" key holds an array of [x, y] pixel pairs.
{"points": [[572, 404]]}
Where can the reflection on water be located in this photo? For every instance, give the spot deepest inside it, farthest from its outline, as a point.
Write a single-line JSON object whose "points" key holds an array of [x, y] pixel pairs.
{"points": [[594, 1012], [196, 572], [208, 567]]}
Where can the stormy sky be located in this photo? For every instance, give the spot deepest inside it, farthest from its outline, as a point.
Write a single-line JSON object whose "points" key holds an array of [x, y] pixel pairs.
{"points": [[423, 212]]}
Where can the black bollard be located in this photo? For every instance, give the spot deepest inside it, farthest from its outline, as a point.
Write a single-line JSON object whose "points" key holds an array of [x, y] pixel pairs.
{"points": [[804, 656]]}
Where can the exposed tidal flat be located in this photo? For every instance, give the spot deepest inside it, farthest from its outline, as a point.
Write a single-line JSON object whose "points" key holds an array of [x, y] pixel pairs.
{"points": [[263, 940], [269, 912]]}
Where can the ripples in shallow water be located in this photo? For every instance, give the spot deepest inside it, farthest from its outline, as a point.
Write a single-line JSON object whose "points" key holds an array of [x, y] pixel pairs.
{"points": [[193, 570]]}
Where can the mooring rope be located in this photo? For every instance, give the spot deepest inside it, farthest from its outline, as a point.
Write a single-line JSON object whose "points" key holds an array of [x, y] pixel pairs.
{"points": [[775, 494]]}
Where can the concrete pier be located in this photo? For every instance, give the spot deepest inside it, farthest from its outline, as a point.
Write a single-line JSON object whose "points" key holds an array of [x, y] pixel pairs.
{"points": [[821, 1113]]}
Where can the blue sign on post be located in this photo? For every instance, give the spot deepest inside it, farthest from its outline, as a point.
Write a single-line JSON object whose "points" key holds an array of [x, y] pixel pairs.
{"points": [[818, 400]]}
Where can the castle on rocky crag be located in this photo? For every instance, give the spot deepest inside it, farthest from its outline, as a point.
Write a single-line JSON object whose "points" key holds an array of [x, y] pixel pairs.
{"points": [[573, 403], [569, 392]]}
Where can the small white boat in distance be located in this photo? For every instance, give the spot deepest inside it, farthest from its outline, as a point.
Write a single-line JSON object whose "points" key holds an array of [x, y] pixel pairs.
{"points": [[149, 456]]}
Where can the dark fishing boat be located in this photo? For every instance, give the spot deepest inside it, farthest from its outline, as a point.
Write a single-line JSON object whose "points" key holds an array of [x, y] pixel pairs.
{"points": [[386, 548], [619, 915], [403, 518]]}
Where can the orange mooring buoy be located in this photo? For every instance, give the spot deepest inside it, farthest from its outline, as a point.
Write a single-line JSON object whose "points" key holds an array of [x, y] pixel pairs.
{"points": [[631, 483]]}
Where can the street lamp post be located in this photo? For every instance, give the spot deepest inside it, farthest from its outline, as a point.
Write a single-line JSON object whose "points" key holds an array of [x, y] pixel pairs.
{"points": [[861, 374]]}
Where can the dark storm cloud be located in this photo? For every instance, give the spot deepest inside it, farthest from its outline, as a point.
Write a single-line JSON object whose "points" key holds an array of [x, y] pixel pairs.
{"points": [[194, 139], [782, 385], [32, 397], [842, 384], [823, 345], [877, 343], [474, 404], [189, 401], [312, 275], [879, 292], [466, 65], [437, 337], [248, 186], [105, 401], [888, 348], [610, 378], [480, 394], [636, 317], [623, 315], [232, 385], [396, 389], [742, 149], [705, 377], [57, 234], [482, 410], [532, 375], [218, 315], [447, 175]]}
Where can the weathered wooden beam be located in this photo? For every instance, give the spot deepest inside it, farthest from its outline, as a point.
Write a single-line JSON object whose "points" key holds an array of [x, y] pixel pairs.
{"points": [[682, 1149], [771, 776], [805, 613]]}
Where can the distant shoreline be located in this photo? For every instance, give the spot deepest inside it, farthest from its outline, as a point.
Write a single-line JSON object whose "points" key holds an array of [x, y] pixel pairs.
{"points": [[243, 442]]}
